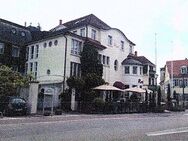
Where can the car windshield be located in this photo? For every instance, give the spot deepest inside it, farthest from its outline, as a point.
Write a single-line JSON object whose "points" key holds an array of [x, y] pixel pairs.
{"points": [[17, 100]]}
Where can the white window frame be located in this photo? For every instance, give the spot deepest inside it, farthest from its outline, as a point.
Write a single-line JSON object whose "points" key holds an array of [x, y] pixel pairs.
{"points": [[31, 52], [93, 34], [135, 70], [36, 51], [131, 49], [82, 32], [2, 47], [31, 67], [110, 40], [17, 53], [76, 47], [127, 70], [122, 45]]}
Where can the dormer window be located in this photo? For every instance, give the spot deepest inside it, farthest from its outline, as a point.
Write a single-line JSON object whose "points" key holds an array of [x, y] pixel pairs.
{"points": [[109, 40], [23, 34], [13, 30], [93, 34], [183, 70]]}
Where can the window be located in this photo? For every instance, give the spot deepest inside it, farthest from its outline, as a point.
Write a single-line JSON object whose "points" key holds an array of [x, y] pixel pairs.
{"points": [[100, 57], [115, 65], [76, 47], [140, 70], [13, 30], [50, 44], [48, 71], [26, 68], [134, 69], [82, 32], [127, 69], [36, 68], [122, 45], [109, 40], [44, 45], [108, 60], [75, 69], [103, 59], [15, 51], [1, 48], [27, 53], [31, 52], [23, 34], [183, 70], [37, 51], [31, 67], [55, 42], [93, 34], [130, 49]]}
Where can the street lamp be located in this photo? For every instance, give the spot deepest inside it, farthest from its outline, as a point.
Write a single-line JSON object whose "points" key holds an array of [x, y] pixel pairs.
{"points": [[183, 72]]}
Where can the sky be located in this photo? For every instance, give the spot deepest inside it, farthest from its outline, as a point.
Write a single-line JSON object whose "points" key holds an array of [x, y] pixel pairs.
{"points": [[140, 20]]}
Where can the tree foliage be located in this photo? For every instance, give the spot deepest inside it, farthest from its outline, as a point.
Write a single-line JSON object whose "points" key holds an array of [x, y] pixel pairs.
{"points": [[159, 96], [168, 93], [89, 61], [11, 81]]}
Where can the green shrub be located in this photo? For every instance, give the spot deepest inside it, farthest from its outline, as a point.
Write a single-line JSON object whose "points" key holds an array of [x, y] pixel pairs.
{"points": [[98, 104]]}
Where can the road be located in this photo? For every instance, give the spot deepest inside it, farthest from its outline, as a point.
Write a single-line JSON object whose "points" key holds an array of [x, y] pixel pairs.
{"points": [[124, 127]]}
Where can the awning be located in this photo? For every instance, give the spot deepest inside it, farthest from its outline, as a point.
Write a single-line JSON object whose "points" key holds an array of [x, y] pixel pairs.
{"points": [[135, 89], [107, 88]]}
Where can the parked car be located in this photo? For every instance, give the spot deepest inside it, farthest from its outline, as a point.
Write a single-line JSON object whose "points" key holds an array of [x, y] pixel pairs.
{"points": [[13, 105]]}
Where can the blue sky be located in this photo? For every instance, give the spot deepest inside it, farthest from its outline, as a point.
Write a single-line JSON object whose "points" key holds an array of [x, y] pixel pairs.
{"points": [[138, 19]]}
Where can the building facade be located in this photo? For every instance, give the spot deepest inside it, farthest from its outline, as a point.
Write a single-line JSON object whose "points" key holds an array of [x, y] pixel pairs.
{"points": [[175, 75], [13, 39], [56, 56]]}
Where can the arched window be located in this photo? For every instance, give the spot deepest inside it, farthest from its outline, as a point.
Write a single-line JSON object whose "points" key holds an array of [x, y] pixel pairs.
{"points": [[48, 72], [115, 65]]}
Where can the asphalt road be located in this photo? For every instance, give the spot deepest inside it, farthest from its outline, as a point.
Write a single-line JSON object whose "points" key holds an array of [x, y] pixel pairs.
{"points": [[127, 127]]}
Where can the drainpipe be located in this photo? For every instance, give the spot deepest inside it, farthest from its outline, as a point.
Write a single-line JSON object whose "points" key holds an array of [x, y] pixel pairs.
{"points": [[65, 62]]}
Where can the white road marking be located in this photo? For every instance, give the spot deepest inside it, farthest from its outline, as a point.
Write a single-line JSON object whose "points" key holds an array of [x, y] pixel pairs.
{"points": [[61, 121], [168, 132]]}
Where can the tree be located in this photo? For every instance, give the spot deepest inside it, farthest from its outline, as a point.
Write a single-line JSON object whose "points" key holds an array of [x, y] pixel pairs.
{"points": [[11, 81], [89, 61], [91, 71], [168, 93], [159, 97]]}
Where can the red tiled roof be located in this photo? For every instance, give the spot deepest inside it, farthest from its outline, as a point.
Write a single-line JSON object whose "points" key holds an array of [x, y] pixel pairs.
{"points": [[177, 64]]}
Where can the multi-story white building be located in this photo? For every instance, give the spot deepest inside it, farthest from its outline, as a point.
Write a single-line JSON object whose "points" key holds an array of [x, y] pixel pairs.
{"points": [[55, 57]]}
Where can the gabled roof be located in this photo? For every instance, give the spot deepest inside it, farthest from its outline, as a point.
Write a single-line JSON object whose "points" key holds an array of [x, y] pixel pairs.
{"points": [[13, 33], [87, 20], [177, 64]]}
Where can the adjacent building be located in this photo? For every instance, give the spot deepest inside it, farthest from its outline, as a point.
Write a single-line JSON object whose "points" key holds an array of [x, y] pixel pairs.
{"points": [[175, 75], [13, 39]]}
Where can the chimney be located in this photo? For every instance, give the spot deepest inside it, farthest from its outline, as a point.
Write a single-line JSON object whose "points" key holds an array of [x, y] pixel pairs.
{"points": [[135, 53], [60, 22]]}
